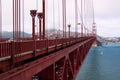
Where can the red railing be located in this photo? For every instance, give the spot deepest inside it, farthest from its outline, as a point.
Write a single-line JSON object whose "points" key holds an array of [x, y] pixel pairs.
{"points": [[17, 47]]}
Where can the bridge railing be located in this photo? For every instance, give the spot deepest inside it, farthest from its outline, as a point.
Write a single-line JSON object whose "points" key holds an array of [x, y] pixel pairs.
{"points": [[5, 49], [13, 48]]}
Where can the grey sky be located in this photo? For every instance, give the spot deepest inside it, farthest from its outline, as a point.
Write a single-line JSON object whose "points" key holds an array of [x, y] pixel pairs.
{"points": [[107, 15]]}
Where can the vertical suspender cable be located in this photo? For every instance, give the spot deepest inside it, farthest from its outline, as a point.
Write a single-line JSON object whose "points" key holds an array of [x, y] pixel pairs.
{"points": [[16, 19], [63, 16], [53, 15], [81, 17], [13, 33], [47, 18], [23, 17], [19, 30], [93, 15], [44, 19], [58, 14], [87, 15], [68, 12], [58, 20], [93, 12], [0, 19], [13, 19], [76, 18], [85, 12], [19, 19], [17, 25], [90, 15], [37, 18]]}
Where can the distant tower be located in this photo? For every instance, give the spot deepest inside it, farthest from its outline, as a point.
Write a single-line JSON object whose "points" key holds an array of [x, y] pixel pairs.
{"points": [[94, 30], [94, 33]]}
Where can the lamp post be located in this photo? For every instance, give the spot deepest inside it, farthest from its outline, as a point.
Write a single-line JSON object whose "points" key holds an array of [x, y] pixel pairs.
{"points": [[33, 14], [40, 16], [78, 28], [69, 30]]}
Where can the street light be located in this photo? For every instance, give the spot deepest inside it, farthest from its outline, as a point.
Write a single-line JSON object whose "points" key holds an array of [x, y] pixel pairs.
{"points": [[69, 29], [40, 16]]}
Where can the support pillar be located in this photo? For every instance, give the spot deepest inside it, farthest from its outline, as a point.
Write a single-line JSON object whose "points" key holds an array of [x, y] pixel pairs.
{"points": [[69, 30], [94, 29], [43, 19], [33, 14], [40, 16]]}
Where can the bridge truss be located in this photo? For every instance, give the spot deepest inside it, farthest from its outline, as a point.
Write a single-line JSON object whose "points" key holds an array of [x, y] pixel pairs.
{"points": [[46, 56]]}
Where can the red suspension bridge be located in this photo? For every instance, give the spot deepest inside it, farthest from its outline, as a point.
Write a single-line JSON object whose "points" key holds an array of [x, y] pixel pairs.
{"points": [[42, 56]]}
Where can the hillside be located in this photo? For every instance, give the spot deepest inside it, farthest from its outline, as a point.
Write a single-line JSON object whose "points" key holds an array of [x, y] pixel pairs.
{"points": [[52, 34], [107, 40], [7, 34]]}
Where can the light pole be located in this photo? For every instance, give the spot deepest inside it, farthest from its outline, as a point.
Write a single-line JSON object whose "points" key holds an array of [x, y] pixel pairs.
{"points": [[33, 14], [40, 16], [69, 30]]}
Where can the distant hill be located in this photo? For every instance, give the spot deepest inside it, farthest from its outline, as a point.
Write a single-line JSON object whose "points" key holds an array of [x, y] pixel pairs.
{"points": [[7, 34], [53, 33], [107, 40]]}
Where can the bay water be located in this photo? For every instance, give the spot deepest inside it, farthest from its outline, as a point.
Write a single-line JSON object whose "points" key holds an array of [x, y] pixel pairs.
{"points": [[101, 63]]}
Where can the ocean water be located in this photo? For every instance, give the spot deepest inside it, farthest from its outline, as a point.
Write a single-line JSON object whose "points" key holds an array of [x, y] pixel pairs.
{"points": [[102, 63]]}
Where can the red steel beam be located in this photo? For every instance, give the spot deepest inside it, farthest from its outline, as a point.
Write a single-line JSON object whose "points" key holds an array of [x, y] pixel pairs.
{"points": [[28, 70], [0, 19], [29, 45], [43, 18], [24, 50]]}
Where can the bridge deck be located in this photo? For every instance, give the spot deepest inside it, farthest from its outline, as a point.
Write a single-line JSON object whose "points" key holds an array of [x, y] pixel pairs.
{"points": [[43, 65]]}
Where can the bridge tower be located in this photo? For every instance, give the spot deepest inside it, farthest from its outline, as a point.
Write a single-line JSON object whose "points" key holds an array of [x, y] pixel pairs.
{"points": [[44, 58], [94, 33], [94, 30]]}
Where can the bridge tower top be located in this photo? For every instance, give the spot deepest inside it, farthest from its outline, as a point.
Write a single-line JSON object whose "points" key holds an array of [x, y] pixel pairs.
{"points": [[94, 29]]}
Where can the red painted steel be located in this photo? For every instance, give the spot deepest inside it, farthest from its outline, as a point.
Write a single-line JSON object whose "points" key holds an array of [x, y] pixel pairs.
{"points": [[25, 47], [7, 47], [43, 2], [94, 30], [40, 16], [42, 58], [69, 30], [0, 19], [62, 65]]}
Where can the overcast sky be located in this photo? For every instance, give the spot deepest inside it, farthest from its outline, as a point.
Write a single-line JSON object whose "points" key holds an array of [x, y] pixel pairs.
{"points": [[107, 16]]}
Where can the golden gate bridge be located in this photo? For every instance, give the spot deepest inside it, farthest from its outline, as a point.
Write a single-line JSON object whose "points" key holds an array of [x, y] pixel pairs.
{"points": [[46, 56]]}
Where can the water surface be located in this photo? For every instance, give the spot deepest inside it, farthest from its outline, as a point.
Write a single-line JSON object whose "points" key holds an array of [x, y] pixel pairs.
{"points": [[102, 63]]}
